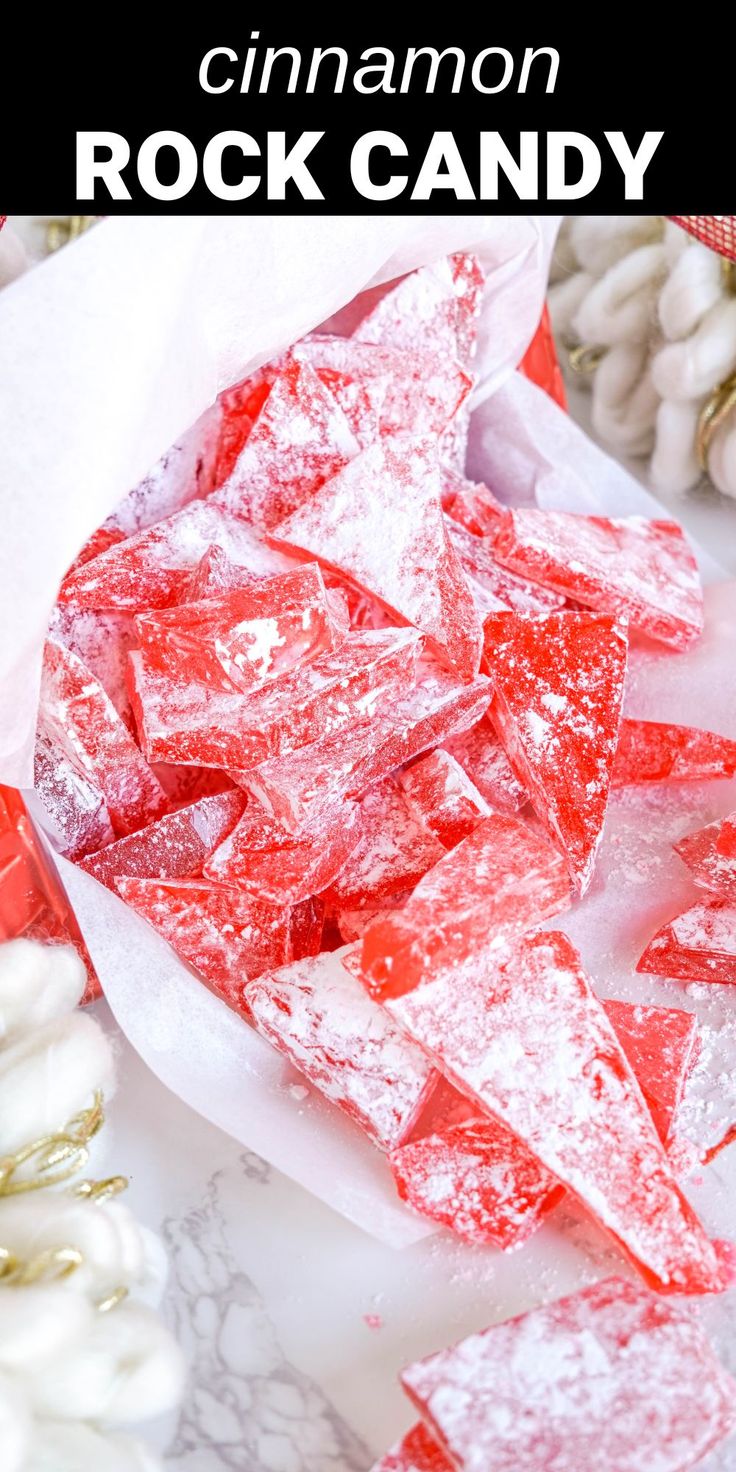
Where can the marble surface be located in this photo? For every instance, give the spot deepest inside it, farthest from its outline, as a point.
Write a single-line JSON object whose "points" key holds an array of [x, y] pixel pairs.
{"points": [[295, 1322]]}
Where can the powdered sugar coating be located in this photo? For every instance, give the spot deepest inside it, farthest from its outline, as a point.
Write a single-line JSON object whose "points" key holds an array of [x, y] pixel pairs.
{"points": [[184, 473], [610, 1378], [481, 755], [657, 751], [392, 853], [698, 945], [175, 847], [495, 587], [470, 503], [73, 804], [262, 858], [436, 307], [421, 391], [642, 570], [103, 641], [316, 1013], [659, 1043], [710, 855], [442, 797]]}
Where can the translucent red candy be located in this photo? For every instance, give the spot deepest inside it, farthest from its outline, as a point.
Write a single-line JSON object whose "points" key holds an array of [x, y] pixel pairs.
{"points": [[470, 503], [520, 1028], [610, 1379], [103, 641], [242, 638], [74, 806], [300, 439], [710, 855], [261, 857], [500, 880], [659, 1043], [416, 1452], [558, 688], [153, 569], [412, 568], [642, 570], [655, 751], [175, 847], [494, 587], [393, 852], [698, 945], [83, 723], [325, 773], [239, 407], [214, 574], [481, 755], [436, 307], [316, 1013], [224, 934], [442, 797], [419, 391], [182, 721]]}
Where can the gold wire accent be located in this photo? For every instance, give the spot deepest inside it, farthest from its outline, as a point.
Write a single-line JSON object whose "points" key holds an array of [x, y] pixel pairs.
{"points": [[101, 1190], [113, 1299], [728, 275], [585, 357], [712, 415], [61, 232], [53, 1158], [53, 1265]]}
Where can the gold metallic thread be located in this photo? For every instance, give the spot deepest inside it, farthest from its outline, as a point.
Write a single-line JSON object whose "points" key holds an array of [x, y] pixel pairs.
{"points": [[585, 357], [712, 416]]}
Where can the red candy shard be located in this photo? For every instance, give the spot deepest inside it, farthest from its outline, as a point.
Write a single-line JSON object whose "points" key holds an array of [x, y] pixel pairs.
{"points": [[215, 574], [520, 1028], [380, 523], [470, 503], [436, 307], [420, 391], [154, 568], [352, 924], [262, 858], [416, 1452], [103, 641], [442, 797], [609, 1378], [494, 587], [392, 853], [322, 775], [642, 570], [75, 808], [187, 722], [710, 855], [500, 880], [185, 785], [482, 756], [698, 945], [479, 1180], [655, 751], [659, 1043], [175, 847], [300, 439], [227, 936], [183, 474], [558, 688], [239, 407], [316, 1013], [81, 720], [101, 539], [247, 636]]}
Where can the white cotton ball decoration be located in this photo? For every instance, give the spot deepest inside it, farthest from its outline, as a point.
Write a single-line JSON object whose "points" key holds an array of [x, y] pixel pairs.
{"points": [[621, 306], [128, 1369], [599, 241], [563, 260], [674, 464], [69, 1446], [37, 984], [117, 1252], [564, 300], [722, 457], [625, 401], [39, 1323], [691, 290], [693, 367], [14, 1426], [49, 1075]]}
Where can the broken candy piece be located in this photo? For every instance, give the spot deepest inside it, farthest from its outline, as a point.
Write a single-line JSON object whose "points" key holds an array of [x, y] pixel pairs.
{"points": [[101, 539], [698, 945], [239, 407], [494, 587], [322, 775], [185, 785], [77, 715], [185, 722], [520, 1028], [659, 1043], [300, 439], [470, 503], [412, 568], [264, 859], [352, 924], [479, 1180], [103, 641], [436, 307], [482, 756], [224, 934], [500, 880], [214, 574], [642, 570], [173, 848], [710, 855], [154, 568], [558, 687], [74, 806], [420, 391], [242, 638], [609, 1378], [442, 797], [416, 1452], [655, 751], [392, 853], [316, 1013]]}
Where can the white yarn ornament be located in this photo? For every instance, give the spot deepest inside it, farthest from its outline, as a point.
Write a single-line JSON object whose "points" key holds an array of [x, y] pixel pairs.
{"points": [[69, 1446], [116, 1250], [127, 1369], [652, 314], [15, 1426], [38, 1324], [49, 1075], [37, 985]]}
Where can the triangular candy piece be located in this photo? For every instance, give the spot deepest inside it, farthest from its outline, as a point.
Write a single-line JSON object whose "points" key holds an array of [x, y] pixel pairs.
{"points": [[215, 574], [494, 587], [710, 855], [641, 570], [481, 755], [659, 1043], [183, 721], [154, 568], [239, 408], [184, 473], [416, 1452], [173, 848], [103, 641], [421, 391], [300, 439], [436, 307], [521, 1029], [73, 804], [610, 1378], [499, 881], [558, 688], [393, 852], [655, 751], [262, 858], [470, 503], [316, 1013], [380, 523], [442, 797], [698, 945], [225, 935]]}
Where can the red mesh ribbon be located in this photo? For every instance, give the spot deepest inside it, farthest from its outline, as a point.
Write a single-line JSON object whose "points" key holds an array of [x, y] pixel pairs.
{"points": [[3, 218], [717, 231]]}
